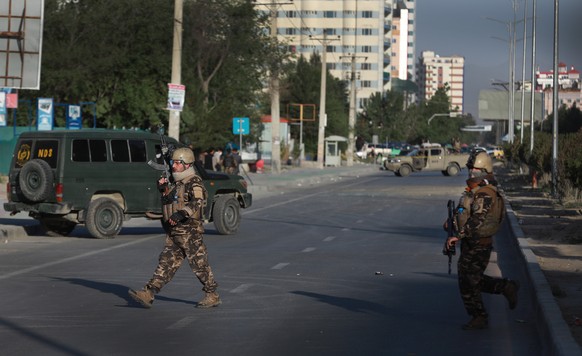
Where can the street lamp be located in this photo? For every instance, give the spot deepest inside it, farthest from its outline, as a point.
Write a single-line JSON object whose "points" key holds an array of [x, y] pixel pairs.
{"points": [[450, 114]]}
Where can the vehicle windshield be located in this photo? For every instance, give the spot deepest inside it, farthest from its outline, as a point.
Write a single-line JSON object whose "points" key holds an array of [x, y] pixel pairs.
{"points": [[409, 153]]}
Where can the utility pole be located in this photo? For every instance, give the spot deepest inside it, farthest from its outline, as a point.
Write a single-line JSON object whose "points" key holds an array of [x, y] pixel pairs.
{"points": [[555, 102], [275, 109], [352, 115], [174, 120], [533, 76], [523, 71], [322, 113], [353, 111]]}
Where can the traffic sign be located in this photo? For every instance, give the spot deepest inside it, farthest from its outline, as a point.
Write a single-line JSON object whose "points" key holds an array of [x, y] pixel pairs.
{"points": [[241, 126]]}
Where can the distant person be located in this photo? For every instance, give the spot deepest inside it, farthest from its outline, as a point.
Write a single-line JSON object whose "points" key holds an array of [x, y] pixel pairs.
{"points": [[208, 158], [237, 159], [217, 159], [228, 162]]}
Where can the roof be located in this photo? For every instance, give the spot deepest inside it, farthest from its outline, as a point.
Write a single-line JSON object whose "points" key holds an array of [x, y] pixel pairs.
{"points": [[267, 118]]}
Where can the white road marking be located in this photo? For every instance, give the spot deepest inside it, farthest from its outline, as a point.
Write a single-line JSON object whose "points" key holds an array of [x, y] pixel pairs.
{"points": [[280, 266], [182, 323], [309, 249], [329, 238], [242, 288], [73, 258]]}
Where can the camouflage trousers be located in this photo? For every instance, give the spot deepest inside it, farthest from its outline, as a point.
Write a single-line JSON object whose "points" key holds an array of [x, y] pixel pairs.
{"points": [[472, 278], [177, 247]]}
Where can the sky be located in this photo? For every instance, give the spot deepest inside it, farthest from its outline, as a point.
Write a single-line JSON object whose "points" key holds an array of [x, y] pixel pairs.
{"points": [[462, 27]]}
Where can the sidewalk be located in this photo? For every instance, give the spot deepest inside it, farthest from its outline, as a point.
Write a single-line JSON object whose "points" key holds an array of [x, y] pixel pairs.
{"points": [[268, 183]]}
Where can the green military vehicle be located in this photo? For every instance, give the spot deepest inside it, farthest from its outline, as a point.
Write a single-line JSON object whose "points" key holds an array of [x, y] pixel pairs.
{"points": [[429, 157], [101, 178]]}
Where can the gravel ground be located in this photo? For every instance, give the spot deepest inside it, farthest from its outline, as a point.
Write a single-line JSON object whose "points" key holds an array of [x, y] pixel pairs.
{"points": [[554, 233]]}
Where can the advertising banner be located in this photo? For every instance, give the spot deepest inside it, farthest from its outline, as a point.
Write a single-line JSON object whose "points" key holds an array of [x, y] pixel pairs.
{"points": [[45, 114]]}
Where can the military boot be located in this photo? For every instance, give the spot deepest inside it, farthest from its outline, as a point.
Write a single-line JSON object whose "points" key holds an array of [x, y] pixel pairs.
{"points": [[145, 297], [510, 293], [477, 323], [209, 301]]}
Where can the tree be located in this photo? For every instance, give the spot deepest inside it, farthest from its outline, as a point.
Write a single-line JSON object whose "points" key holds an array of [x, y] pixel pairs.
{"points": [[303, 86]]}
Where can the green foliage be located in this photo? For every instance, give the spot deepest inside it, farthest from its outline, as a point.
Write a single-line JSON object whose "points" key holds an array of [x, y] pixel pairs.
{"points": [[118, 54], [303, 86], [385, 116], [568, 163]]}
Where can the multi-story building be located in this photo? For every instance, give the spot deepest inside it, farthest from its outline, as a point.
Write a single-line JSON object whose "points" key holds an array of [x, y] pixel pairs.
{"points": [[436, 72], [569, 91], [378, 35]]}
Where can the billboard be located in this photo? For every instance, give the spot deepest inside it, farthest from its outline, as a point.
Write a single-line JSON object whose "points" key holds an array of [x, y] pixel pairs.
{"points": [[494, 105], [21, 23]]}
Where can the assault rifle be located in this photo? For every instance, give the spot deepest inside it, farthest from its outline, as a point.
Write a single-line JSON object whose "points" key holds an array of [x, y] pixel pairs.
{"points": [[166, 168], [450, 251]]}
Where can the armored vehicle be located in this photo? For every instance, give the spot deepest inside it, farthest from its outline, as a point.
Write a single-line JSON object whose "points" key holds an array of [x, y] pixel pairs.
{"points": [[101, 178], [429, 157]]}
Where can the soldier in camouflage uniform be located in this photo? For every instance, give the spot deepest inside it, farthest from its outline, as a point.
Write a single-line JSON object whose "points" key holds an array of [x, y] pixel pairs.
{"points": [[475, 229], [182, 206]]}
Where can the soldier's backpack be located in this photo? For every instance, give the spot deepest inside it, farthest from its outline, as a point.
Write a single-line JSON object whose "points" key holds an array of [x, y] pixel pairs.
{"points": [[496, 214]]}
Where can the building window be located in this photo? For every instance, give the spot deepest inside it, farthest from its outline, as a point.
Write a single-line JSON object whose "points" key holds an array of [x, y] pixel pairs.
{"points": [[366, 83], [290, 31], [367, 14], [291, 14], [330, 49], [367, 31], [329, 14], [366, 66], [366, 49]]}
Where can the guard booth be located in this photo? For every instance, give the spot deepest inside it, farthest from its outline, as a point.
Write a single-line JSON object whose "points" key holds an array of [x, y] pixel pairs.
{"points": [[333, 156]]}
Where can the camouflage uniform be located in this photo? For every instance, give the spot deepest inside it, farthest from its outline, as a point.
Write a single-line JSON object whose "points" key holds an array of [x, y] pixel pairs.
{"points": [[184, 240], [471, 218]]}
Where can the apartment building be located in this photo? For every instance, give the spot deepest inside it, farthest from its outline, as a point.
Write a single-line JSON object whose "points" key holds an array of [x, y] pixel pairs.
{"points": [[378, 35], [569, 87], [436, 72]]}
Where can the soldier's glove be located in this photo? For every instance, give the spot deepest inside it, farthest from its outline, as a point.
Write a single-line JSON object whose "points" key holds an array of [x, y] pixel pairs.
{"points": [[167, 199], [179, 216], [162, 187]]}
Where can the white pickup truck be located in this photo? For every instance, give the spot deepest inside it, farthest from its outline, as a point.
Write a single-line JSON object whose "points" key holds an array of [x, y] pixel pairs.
{"points": [[378, 151]]}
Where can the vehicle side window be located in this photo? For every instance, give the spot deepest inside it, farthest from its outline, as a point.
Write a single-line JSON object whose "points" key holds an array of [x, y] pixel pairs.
{"points": [[89, 151], [137, 148], [435, 152], [128, 150], [120, 150], [98, 150], [81, 151]]}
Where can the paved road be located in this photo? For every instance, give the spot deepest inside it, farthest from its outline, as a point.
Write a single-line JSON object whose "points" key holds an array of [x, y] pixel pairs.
{"points": [[282, 188], [352, 267]]}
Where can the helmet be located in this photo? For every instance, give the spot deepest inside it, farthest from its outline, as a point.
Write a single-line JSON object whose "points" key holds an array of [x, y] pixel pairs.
{"points": [[480, 160], [183, 154]]}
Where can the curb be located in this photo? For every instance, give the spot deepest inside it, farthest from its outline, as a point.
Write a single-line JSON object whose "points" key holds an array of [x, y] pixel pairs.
{"points": [[555, 333]]}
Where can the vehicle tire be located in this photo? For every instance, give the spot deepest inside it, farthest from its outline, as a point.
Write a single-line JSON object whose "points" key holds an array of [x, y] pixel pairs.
{"points": [[226, 215], [397, 174], [104, 218], [452, 170], [57, 227], [445, 173], [404, 171], [36, 180]]}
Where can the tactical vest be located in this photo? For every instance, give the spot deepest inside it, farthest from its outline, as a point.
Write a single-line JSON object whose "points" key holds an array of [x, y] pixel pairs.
{"points": [[493, 218], [181, 196]]}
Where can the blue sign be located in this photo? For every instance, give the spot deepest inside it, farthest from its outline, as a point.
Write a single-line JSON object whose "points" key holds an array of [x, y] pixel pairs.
{"points": [[241, 126], [74, 117], [45, 114]]}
